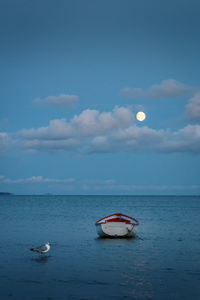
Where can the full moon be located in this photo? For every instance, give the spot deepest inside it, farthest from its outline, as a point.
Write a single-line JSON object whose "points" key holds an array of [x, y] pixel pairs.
{"points": [[140, 116]]}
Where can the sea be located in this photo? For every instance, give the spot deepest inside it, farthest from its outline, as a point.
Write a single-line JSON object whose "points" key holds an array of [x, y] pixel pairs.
{"points": [[161, 262]]}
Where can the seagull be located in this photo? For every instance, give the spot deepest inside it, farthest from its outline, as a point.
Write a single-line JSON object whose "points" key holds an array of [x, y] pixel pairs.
{"points": [[42, 249]]}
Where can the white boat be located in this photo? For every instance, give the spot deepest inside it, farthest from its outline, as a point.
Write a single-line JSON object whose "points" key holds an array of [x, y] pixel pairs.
{"points": [[117, 225]]}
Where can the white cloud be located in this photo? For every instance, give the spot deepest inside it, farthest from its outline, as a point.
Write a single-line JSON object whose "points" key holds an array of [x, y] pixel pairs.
{"points": [[103, 186], [95, 132], [186, 139], [57, 129], [54, 144], [37, 179], [62, 100], [106, 185], [167, 89], [93, 123], [5, 142], [193, 108], [61, 134], [88, 123]]}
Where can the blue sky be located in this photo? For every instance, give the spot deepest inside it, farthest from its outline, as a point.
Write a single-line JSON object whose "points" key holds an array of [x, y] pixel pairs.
{"points": [[74, 74]]}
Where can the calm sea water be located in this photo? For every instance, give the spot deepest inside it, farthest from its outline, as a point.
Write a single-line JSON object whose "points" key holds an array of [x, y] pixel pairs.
{"points": [[162, 262]]}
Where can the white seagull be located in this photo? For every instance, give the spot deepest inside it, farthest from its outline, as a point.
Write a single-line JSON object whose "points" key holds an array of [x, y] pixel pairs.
{"points": [[42, 249]]}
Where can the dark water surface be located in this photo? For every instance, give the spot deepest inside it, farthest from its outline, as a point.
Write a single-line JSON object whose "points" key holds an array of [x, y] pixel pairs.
{"points": [[163, 262]]}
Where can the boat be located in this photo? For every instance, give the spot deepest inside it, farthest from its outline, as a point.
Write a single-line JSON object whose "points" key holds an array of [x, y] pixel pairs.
{"points": [[117, 225]]}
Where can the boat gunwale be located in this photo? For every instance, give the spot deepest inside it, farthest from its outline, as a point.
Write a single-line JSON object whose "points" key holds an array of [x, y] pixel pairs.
{"points": [[99, 222]]}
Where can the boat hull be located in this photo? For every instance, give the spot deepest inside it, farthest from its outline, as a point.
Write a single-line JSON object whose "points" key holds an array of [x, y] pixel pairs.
{"points": [[116, 230]]}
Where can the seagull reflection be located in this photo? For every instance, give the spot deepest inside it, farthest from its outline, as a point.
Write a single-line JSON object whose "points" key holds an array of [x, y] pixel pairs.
{"points": [[42, 259]]}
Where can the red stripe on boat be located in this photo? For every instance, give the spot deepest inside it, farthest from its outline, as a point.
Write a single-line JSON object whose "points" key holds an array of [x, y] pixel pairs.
{"points": [[118, 219]]}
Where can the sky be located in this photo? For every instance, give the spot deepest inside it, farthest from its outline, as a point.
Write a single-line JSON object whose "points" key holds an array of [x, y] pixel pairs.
{"points": [[73, 76]]}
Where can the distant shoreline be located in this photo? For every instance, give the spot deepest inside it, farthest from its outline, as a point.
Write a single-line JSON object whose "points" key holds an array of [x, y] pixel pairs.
{"points": [[94, 195], [5, 193]]}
